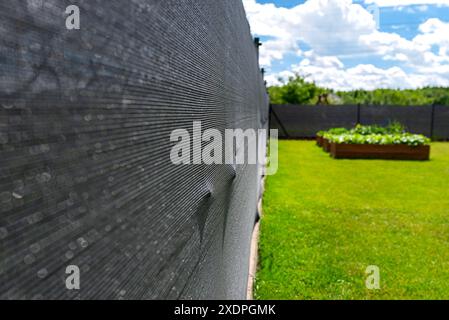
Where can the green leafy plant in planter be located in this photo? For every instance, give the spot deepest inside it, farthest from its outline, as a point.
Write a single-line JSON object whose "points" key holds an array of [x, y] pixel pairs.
{"points": [[396, 127], [409, 139], [375, 142], [367, 130], [392, 128], [334, 131], [393, 134]]}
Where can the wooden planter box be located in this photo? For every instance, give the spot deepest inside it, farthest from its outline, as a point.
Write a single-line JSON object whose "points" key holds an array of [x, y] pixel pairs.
{"points": [[319, 141], [368, 151], [326, 145]]}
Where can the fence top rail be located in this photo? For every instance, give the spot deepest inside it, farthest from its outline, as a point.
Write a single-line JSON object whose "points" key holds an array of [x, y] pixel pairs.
{"points": [[355, 105]]}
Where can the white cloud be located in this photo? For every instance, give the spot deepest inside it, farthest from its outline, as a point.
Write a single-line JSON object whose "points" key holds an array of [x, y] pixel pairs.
{"points": [[311, 59], [327, 26], [363, 76], [337, 29], [396, 3], [274, 79], [423, 8], [434, 32]]}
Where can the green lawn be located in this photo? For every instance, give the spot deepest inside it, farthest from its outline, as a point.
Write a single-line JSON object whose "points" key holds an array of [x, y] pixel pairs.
{"points": [[326, 220]]}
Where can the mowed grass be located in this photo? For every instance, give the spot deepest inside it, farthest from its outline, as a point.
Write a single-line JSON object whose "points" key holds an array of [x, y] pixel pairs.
{"points": [[325, 221]]}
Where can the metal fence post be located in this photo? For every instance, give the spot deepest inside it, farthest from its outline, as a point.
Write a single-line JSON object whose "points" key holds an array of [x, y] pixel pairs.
{"points": [[358, 113], [258, 44], [432, 122], [270, 109]]}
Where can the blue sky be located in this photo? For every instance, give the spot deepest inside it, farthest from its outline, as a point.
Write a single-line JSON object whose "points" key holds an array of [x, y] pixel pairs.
{"points": [[340, 44]]}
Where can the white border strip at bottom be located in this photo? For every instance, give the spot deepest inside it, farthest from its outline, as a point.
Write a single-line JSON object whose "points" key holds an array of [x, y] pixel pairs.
{"points": [[254, 254]]}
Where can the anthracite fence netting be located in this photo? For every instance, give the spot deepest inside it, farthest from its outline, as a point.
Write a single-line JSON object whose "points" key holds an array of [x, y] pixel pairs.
{"points": [[299, 121], [85, 171]]}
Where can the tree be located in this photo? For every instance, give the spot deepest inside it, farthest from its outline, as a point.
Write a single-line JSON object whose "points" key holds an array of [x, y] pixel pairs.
{"points": [[299, 91], [296, 91]]}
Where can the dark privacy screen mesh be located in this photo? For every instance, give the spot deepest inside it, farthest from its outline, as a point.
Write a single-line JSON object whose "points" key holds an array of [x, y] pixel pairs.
{"points": [[441, 122], [417, 119], [295, 121], [85, 173]]}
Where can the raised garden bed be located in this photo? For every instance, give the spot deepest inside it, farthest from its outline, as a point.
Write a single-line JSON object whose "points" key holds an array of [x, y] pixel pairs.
{"points": [[371, 151], [323, 143], [373, 142], [326, 145]]}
